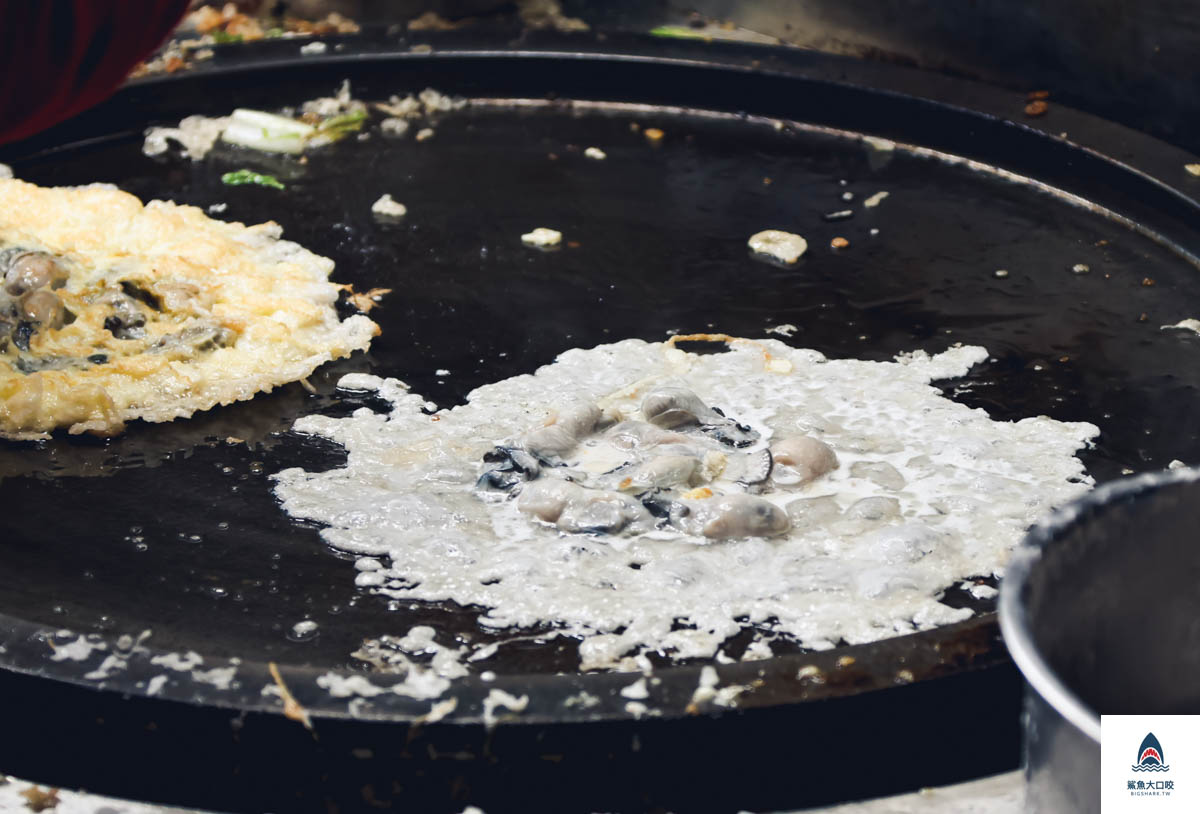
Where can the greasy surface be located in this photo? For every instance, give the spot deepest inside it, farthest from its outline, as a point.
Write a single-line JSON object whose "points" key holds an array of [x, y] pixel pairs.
{"points": [[662, 247], [661, 234]]}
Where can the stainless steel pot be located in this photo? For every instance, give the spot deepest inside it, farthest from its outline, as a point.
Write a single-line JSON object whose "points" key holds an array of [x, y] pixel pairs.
{"points": [[1100, 609]]}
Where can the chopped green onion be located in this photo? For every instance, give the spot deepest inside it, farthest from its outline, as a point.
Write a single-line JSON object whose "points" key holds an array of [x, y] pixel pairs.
{"points": [[273, 133], [338, 126], [222, 37], [679, 32], [268, 132], [239, 177]]}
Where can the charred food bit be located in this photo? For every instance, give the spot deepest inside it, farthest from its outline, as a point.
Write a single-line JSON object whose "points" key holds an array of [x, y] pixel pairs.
{"points": [[364, 301], [1038, 107], [37, 799]]}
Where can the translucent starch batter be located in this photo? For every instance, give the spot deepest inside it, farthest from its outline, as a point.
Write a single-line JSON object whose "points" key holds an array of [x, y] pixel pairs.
{"points": [[644, 499]]}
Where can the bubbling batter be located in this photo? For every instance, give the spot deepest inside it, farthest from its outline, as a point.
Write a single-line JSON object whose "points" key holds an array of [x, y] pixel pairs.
{"points": [[646, 499]]}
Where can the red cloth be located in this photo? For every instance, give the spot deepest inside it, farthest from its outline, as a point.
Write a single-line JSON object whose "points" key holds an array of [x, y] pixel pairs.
{"points": [[58, 57]]}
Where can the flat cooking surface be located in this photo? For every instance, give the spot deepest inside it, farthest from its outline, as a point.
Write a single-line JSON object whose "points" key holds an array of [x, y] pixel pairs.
{"points": [[171, 528]]}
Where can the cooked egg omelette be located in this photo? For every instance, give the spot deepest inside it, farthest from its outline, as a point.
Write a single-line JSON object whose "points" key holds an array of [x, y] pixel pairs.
{"points": [[111, 310]]}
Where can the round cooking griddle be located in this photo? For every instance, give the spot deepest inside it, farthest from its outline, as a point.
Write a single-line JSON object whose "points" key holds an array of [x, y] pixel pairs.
{"points": [[173, 528]]}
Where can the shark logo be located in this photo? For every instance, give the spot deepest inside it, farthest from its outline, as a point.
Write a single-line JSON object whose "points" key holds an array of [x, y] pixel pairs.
{"points": [[1150, 756]]}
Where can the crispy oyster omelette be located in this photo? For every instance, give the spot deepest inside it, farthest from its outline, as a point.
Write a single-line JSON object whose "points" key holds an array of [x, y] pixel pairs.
{"points": [[111, 310]]}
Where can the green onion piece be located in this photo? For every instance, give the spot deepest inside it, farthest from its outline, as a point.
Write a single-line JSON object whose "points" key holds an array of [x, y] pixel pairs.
{"points": [[239, 177], [338, 126], [222, 37], [679, 32]]}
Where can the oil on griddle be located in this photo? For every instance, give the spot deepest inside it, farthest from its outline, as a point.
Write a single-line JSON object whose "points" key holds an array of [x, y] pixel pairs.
{"points": [[173, 527]]}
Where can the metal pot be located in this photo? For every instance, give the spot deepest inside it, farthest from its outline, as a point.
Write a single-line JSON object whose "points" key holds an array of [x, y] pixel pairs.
{"points": [[1099, 610]]}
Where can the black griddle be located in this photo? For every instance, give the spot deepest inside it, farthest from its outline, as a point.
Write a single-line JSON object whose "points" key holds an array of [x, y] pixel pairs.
{"points": [[172, 528]]}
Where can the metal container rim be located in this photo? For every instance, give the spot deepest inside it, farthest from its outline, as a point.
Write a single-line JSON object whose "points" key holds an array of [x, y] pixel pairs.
{"points": [[1015, 623]]}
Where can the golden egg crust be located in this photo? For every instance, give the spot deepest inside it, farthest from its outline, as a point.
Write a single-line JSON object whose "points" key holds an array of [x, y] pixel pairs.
{"points": [[153, 311]]}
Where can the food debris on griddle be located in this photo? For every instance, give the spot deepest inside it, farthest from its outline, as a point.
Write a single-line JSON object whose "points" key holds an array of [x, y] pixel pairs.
{"points": [[1036, 108]]}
